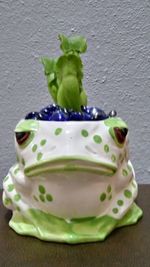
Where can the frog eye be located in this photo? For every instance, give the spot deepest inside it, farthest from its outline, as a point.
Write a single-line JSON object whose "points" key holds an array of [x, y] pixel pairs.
{"points": [[22, 137], [120, 134]]}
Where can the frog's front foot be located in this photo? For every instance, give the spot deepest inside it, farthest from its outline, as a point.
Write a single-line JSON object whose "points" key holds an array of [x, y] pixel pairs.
{"points": [[13, 184]]}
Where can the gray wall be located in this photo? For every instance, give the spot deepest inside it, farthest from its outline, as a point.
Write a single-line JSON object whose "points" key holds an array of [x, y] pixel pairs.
{"points": [[117, 64]]}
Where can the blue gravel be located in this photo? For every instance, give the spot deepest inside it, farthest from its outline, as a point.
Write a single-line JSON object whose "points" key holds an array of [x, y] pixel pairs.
{"points": [[56, 113]]}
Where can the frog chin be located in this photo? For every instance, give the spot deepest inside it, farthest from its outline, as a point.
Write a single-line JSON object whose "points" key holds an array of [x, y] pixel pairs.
{"points": [[70, 164]]}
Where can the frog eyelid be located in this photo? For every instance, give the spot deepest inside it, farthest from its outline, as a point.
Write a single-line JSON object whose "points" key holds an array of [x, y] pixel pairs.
{"points": [[27, 126]]}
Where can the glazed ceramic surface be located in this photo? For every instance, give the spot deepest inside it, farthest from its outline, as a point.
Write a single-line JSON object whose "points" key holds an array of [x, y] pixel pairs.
{"points": [[73, 181]]}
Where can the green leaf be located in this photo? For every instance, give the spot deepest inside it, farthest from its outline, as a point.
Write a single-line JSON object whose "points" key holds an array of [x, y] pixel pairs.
{"points": [[50, 72], [83, 98], [49, 65], [69, 70], [64, 75], [51, 77], [68, 94], [76, 44], [64, 45], [69, 65]]}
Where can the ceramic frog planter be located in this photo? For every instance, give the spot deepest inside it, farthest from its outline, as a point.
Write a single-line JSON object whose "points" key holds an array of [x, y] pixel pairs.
{"points": [[73, 181]]}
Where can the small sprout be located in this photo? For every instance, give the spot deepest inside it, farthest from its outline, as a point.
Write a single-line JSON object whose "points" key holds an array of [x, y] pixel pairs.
{"points": [[64, 74]]}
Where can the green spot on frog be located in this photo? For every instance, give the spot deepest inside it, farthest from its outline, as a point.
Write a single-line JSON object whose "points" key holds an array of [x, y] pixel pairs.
{"points": [[42, 198], [108, 188], [115, 210], [97, 139], [49, 197], [34, 148], [39, 156], [102, 197], [17, 197], [110, 197], [113, 158], [106, 148], [124, 172], [58, 131], [10, 187], [84, 133], [120, 202], [42, 189], [7, 201], [127, 193], [43, 142]]}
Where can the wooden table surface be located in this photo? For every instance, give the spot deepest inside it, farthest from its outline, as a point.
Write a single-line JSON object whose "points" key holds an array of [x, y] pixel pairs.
{"points": [[127, 246]]}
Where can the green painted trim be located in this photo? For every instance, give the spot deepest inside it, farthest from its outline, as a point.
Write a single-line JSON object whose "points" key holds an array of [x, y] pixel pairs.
{"points": [[115, 122], [78, 230], [27, 125], [38, 171], [49, 166], [77, 157]]}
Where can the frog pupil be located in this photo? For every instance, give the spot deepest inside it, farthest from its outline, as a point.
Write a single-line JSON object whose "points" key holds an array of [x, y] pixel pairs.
{"points": [[22, 137], [121, 134]]}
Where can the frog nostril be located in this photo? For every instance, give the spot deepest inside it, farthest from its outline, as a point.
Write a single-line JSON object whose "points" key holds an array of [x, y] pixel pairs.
{"points": [[120, 134], [21, 137]]}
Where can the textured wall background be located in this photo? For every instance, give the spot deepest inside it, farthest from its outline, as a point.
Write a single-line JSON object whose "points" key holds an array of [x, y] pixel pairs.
{"points": [[117, 64]]}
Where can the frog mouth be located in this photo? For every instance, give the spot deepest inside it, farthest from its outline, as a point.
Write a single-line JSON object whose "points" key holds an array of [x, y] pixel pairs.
{"points": [[70, 164]]}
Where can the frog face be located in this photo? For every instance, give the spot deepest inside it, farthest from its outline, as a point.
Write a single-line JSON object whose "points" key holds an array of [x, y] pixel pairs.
{"points": [[44, 146]]}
